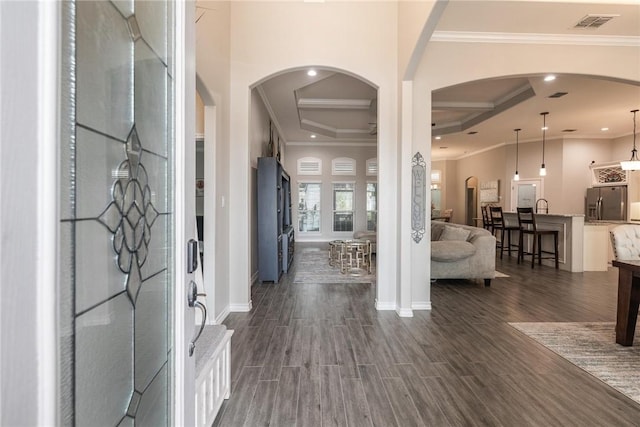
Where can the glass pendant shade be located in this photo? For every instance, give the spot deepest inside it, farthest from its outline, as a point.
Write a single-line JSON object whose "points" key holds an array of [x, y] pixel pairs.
{"points": [[543, 169], [632, 164]]}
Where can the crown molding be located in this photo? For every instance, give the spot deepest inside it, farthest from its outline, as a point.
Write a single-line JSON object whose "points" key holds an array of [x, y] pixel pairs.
{"points": [[272, 114], [332, 143], [534, 38]]}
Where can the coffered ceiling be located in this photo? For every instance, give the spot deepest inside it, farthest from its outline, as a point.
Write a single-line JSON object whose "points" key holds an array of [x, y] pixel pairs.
{"points": [[337, 108]]}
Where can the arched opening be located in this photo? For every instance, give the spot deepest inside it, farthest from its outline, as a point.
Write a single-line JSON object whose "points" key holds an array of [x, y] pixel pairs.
{"points": [[474, 123], [325, 114], [471, 200]]}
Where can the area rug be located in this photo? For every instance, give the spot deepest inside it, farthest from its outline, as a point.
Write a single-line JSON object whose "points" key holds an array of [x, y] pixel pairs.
{"points": [[592, 347], [313, 267]]}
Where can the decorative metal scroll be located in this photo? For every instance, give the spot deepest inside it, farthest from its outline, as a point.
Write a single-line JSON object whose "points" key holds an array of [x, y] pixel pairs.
{"points": [[418, 196]]}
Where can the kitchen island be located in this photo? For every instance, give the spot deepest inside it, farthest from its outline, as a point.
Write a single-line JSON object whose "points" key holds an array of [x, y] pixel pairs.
{"points": [[570, 238]]}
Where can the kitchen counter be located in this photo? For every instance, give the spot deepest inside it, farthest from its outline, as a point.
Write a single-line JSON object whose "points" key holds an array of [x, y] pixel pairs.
{"points": [[570, 238]]}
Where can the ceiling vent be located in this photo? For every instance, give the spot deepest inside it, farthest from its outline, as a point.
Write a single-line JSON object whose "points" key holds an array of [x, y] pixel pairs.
{"points": [[473, 132], [569, 130], [558, 95], [594, 21]]}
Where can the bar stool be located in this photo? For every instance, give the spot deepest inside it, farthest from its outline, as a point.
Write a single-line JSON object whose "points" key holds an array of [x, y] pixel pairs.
{"points": [[527, 223], [486, 219], [498, 223]]}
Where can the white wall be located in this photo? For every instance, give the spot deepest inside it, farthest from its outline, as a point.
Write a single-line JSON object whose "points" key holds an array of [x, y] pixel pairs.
{"points": [[269, 37], [213, 68], [326, 154]]}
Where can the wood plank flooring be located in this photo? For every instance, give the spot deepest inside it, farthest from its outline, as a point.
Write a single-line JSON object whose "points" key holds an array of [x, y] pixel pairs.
{"points": [[321, 355]]}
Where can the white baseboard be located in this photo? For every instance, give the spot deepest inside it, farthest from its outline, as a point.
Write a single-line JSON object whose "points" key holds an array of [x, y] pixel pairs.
{"points": [[404, 312], [389, 305], [424, 305], [242, 308], [223, 315]]}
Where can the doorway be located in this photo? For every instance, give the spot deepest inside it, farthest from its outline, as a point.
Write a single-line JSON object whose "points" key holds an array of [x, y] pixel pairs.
{"points": [[471, 200], [524, 193]]}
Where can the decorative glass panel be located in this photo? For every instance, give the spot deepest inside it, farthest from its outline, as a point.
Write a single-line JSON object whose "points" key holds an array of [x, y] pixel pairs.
{"points": [[115, 238]]}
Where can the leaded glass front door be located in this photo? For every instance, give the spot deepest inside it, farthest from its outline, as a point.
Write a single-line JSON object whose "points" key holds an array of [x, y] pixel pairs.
{"points": [[117, 167]]}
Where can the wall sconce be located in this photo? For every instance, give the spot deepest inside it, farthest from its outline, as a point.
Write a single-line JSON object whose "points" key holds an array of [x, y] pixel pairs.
{"points": [[543, 169], [632, 164], [516, 177]]}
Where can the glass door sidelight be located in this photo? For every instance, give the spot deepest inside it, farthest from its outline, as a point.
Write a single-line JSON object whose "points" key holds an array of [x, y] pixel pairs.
{"points": [[117, 224]]}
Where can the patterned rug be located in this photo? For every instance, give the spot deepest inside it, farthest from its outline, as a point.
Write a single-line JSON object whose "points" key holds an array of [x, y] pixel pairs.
{"points": [[313, 267], [592, 347]]}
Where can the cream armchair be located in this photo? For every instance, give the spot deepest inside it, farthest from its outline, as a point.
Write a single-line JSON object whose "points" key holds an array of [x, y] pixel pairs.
{"points": [[625, 239]]}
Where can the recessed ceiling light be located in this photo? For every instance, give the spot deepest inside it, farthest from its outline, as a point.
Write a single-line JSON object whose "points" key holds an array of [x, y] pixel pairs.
{"points": [[313, 135], [443, 148], [604, 129], [312, 73], [549, 78], [438, 137]]}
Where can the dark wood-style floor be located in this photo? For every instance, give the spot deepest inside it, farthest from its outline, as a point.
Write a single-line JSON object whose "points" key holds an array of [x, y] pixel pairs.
{"points": [[321, 355]]}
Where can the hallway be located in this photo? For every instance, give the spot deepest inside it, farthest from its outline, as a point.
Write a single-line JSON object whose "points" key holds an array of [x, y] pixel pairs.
{"points": [[320, 354]]}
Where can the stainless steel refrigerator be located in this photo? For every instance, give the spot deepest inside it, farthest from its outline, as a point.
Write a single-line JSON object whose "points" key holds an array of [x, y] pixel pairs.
{"points": [[606, 203]]}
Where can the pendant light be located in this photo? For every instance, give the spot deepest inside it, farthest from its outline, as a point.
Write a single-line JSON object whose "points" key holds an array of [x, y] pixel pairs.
{"points": [[632, 164], [543, 169], [516, 177]]}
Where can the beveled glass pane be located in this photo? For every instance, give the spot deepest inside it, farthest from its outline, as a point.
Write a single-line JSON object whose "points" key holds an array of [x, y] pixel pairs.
{"points": [[154, 408], [157, 256], [156, 168], [97, 162], [97, 274], [104, 363], [151, 329], [152, 20], [150, 100], [104, 69], [124, 6]]}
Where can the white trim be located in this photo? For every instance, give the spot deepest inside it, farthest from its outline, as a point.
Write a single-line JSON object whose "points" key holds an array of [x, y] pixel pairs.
{"points": [[339, 104], [48, 213], [346, 161], [272, 114], [404, 312], [223, 315], [309, 160], [241, 308], [385, 305], [421, 305], [534, 38], [334, 143]]}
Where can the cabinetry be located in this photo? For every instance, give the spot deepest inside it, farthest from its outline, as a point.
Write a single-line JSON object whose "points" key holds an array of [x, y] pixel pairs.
{"points": [[275, 231]]}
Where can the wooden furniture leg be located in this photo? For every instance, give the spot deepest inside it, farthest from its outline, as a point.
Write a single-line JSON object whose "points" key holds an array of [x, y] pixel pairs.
{"points": [[628, 300]]}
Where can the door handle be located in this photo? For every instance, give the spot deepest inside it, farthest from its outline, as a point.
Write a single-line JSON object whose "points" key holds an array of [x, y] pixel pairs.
{"points": [[192, 344], [192, 300]]}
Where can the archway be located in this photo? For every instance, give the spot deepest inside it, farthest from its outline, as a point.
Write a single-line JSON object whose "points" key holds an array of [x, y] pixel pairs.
{"points": [[471, 200], [317, 114]]}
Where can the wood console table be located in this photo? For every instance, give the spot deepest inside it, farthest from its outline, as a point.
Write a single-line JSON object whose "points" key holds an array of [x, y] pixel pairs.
{"points": [[628, 300]]}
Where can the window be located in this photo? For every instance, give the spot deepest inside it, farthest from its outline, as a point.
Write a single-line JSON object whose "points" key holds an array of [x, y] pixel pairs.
{"points": [[309, 207], [343, 166], [372, 167], [309, 166], [343, 198], [372, 206]]}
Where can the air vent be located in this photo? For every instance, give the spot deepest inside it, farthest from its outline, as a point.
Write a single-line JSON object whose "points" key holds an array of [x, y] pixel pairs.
{"points": [[343, 166], [309, 166], [569, 130], [594, 21], [473, 132], [558, 95]]}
